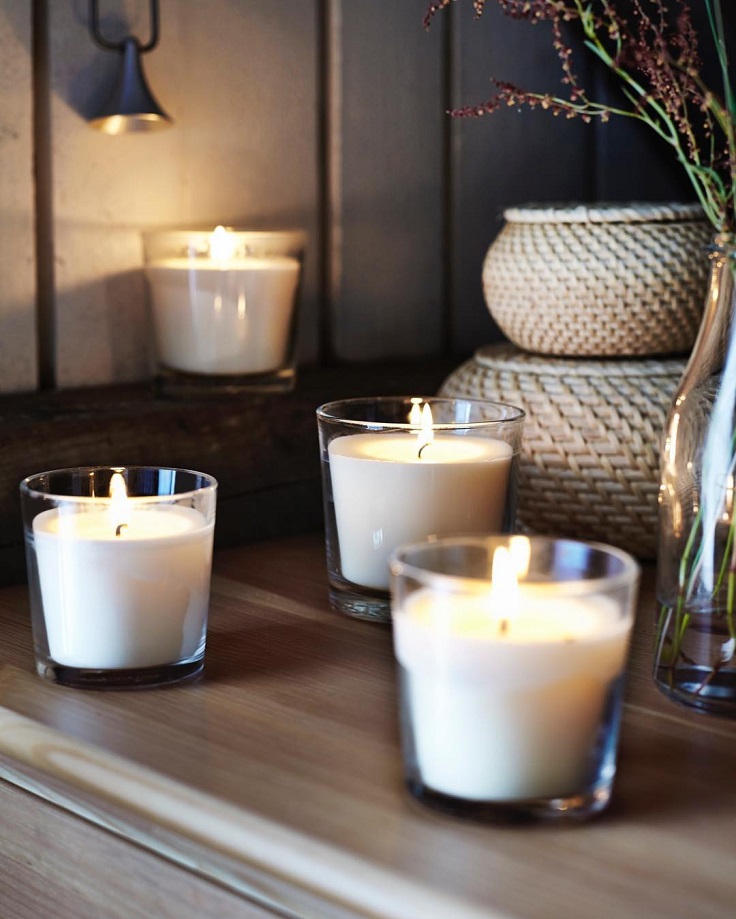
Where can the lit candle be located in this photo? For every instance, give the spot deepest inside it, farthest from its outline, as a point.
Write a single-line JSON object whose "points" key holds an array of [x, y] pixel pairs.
{"points": [[507, 688], [223, 311], [398, 487], [124, 581]]}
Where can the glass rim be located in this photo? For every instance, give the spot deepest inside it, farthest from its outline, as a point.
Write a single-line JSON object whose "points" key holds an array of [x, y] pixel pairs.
{"points": [[326, 412], [26, 485], [290, 233], [575, 585]]}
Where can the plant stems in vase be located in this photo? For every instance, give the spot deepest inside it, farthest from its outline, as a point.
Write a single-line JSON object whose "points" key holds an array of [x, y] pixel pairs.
{"points": [[652, 49]]}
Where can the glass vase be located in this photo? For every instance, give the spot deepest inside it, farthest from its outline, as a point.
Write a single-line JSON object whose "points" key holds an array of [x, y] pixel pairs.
{"points": [[695, 649]]}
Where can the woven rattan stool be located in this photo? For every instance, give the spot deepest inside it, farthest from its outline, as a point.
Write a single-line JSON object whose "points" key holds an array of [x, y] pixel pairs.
{"points": [[590, 456]]}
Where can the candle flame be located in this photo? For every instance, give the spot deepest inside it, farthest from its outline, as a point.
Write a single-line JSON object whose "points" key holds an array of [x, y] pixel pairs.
{"points": [[426, 434], [119, 504], [222, 245], [504, 597]]}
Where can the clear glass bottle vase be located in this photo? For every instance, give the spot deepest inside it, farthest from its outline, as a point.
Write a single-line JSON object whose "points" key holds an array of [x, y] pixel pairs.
{"points": [[695, 648]]}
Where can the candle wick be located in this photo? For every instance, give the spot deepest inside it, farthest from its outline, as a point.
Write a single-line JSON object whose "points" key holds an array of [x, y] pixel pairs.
{"points": [[119, 528], [419, 455], [503, 626]]}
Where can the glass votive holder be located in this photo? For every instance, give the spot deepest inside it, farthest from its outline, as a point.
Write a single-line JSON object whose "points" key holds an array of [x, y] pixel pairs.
{"points": [[511, 655], [119, 563], [399, 469], [224, 308]]}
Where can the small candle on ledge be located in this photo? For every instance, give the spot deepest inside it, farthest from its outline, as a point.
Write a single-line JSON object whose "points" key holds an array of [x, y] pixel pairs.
{"points": [[511, 693], [224, 303]]}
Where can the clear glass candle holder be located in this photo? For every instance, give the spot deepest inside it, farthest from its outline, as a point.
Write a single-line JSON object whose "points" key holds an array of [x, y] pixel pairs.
{"points": [[511, 655], [224, 308], [398, 469], [119, 563]]}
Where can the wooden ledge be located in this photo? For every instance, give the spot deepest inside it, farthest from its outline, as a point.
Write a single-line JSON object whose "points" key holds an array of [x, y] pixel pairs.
{"points": [[262, 448]]}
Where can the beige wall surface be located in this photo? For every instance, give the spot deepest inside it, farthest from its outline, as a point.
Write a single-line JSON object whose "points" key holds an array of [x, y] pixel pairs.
{"points": [[17, 243]]}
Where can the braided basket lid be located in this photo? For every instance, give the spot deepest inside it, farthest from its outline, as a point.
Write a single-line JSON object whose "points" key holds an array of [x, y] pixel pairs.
{"points": [[505, 358], [603, 213]]}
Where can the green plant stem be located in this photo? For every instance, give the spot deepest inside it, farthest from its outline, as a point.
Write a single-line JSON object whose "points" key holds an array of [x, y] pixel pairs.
{"points": [[682, 618], [654, 115], [725, 565], [715, 18]]}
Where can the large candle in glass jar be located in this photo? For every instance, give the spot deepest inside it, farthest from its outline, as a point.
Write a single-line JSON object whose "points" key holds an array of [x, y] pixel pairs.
{"points": [[118, 583], [135, 599], [398, 469], [389, 490], [511, 693], [508, 693]]}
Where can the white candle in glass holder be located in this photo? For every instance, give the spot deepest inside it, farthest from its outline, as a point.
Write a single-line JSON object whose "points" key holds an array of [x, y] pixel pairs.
{"points": [[507, 696], [123, 585], [397, 487], [223, 313]]}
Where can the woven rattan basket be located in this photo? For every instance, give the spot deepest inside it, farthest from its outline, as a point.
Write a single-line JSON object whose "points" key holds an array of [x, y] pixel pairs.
{"points": [[590, 456], [604, 280]]}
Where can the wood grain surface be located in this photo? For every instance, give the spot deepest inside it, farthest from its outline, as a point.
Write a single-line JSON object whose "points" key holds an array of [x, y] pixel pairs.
{"points": [[54, 864], [279, 775]]}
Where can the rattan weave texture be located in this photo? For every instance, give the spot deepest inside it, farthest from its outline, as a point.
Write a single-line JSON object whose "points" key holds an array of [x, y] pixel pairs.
{"points": [[603, 280], [590, 455]]}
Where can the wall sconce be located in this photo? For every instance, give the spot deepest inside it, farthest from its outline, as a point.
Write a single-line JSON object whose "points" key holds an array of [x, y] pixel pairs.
{"points": [[131, 105]]}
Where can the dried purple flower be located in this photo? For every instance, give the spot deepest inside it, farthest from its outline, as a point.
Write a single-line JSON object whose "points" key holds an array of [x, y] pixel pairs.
{"points": [[654, 54]]}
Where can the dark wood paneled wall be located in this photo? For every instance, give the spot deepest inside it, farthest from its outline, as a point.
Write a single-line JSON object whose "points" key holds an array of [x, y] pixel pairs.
{"points": [[423, 194]]}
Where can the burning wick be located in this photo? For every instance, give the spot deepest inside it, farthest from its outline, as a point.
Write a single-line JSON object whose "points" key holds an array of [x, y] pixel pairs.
{"points": [[504, 589], [424, 418], [119, 504]]}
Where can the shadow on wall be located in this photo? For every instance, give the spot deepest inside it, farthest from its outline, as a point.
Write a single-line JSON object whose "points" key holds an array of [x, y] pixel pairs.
{"points": [[95, 346], [17, 362]]}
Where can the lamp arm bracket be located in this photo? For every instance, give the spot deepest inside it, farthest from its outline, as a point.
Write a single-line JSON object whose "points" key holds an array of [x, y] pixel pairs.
{"points": [[100, 40]]}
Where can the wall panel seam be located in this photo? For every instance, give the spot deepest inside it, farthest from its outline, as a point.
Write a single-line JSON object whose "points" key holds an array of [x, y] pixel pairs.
{"points": [[450, 76], [42, 178], [332, 239]]}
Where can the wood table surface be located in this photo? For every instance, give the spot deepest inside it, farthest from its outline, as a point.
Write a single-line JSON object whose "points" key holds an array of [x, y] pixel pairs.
{"points": [[273, 787]]}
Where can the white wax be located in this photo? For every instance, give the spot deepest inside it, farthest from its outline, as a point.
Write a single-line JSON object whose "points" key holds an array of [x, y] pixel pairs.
{"points": [[226, 317], [507, 715], [118, 602], [386, 495]]}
